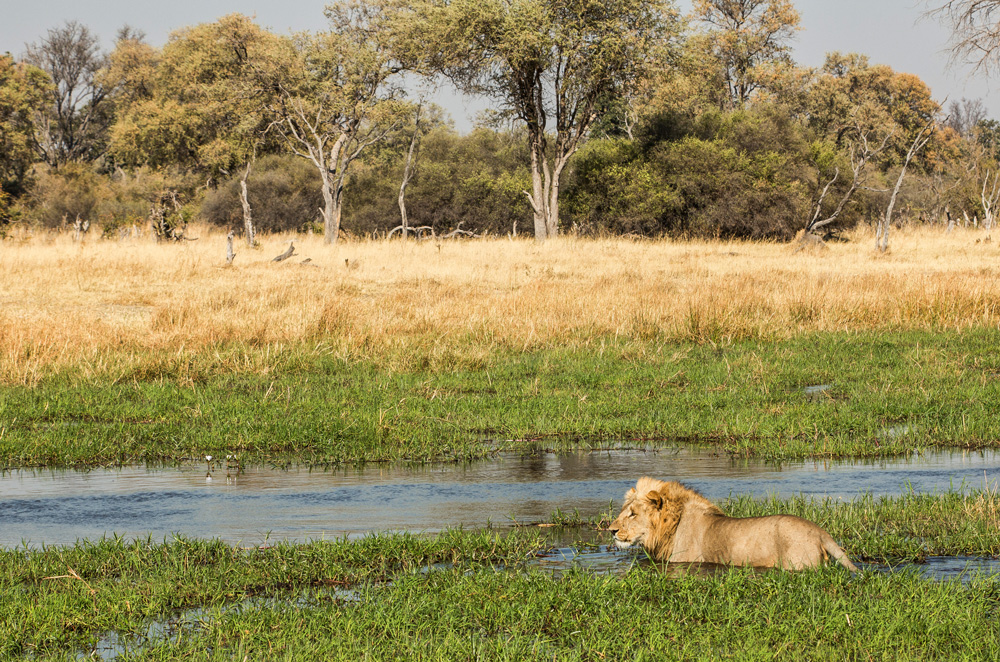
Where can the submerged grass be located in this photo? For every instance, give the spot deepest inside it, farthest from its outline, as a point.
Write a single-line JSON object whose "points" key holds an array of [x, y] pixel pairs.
{"points": [[644, 615], [884, 394], [475, 595]]}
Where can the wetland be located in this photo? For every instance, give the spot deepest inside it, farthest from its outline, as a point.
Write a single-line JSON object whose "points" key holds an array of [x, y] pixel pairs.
{"points": [[422, 452]]}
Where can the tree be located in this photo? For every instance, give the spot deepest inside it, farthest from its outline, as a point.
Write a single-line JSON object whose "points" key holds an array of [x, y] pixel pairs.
{"points": [[750, 39], [964, 116], [335, 97], [538, 60], [72, 125], [197, 104], [22, 89], [975, 31]]}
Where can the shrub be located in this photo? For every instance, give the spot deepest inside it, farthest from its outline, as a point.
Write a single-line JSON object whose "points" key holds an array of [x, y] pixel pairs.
{"points": [[284, 192]]}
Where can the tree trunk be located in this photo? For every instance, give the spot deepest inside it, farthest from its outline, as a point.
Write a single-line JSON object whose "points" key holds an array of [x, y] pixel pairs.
{"points": [[552, 220], [537, 196], [332, 196], [247, 215], [407, 174]]}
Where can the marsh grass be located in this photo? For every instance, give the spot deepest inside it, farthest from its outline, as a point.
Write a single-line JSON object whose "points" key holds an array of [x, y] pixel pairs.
{"points": [[61, 598], [475, 595], [890, 393]]}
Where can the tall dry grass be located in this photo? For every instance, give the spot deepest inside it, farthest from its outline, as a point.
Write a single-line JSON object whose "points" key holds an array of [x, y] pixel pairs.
{"points": [[107, 305]]}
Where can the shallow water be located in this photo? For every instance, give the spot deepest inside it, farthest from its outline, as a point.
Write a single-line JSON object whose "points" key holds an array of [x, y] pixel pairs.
{"points": [[598, 559], [56, 507], [607, 560]]}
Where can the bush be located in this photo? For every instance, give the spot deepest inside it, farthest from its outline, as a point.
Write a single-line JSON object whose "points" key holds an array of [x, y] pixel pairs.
{"points": [[285, 195], [739, 174], [61, 196], [612, 189], [476, 180]]}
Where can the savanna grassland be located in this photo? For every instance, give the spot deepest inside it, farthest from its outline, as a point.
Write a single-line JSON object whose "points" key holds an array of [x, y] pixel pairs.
{"points": [[116, 352], [121, 352]]}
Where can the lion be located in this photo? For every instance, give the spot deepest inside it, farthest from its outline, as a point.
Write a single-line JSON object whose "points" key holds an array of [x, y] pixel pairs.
{"points": [[676, 524]]}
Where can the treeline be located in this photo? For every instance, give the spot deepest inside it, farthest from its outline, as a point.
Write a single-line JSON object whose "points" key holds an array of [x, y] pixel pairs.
{"points": [[607, 118]]}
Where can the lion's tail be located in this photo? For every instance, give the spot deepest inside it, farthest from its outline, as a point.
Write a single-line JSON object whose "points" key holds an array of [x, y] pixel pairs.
{"points": [[834, 550]]}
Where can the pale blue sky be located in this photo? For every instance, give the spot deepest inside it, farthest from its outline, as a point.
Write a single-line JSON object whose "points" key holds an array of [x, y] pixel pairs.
{"points": [[889, 31]]}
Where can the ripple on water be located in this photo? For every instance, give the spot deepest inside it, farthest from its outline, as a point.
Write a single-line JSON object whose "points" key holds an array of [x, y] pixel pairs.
{"points": [[55, 507]]}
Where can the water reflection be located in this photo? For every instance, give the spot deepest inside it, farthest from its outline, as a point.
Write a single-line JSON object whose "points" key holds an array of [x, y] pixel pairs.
{"points": [[61, 506], [607, 560]]}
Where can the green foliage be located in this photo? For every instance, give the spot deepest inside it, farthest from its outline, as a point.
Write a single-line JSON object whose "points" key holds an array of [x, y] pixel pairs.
{"points": [[196, 103], [613, 189], [467, 596], [22, 90], [477, 180], [738, 174], [284, 194]]}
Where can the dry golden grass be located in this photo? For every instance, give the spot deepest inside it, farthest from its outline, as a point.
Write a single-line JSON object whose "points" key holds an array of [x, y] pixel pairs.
{"points": [[95, 303]]}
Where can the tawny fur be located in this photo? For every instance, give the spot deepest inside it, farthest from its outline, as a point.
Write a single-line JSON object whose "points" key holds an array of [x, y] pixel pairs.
{"points": [[674, 523]]}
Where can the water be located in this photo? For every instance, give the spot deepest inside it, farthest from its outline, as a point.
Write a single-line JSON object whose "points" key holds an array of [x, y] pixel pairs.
{"points": [[592, 558], [606, 560], [59, 507]]}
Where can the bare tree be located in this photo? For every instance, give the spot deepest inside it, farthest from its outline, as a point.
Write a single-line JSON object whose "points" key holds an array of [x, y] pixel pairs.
{"points": [[862, 151], [408, 173], [882, 233], [251, 234], [73, 125], [964, 116], [989, 197], [975, 31]]}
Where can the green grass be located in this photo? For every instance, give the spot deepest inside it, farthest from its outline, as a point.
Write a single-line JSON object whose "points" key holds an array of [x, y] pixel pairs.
{"points": [[496, 616], [890, 393], [289, 602]]}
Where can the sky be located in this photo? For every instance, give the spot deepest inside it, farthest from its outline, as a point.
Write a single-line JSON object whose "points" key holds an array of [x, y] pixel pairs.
{"points": [[891, 32]]}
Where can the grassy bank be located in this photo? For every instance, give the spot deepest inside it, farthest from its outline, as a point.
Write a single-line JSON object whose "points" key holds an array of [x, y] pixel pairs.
{"points": [[490, 615], [118, 352], [463, 595], [889, 392]]}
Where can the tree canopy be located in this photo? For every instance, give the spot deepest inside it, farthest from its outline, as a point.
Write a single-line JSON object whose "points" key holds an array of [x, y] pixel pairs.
{"points": [[619, 117]]}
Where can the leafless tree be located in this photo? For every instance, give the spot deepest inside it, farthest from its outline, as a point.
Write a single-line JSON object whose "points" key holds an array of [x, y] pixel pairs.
{"points": [[251, 234], [964, 116], [990, 197], [975, 31], [921, 139], [73, 125], [408, 173], [863, 150]]}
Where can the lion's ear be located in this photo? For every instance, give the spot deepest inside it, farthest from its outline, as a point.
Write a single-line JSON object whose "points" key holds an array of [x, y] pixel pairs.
{"points": [[630, 494], [655, 498]]}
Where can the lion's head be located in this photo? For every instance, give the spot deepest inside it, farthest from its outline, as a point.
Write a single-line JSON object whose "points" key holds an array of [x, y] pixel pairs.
{"points": [[649, 517]]}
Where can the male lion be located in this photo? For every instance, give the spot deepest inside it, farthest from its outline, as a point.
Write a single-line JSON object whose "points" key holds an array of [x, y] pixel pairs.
{"points": [[674, 523]]}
